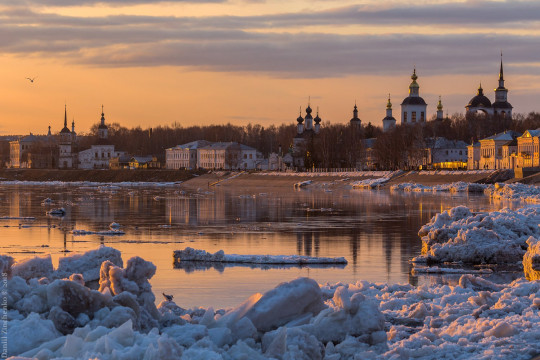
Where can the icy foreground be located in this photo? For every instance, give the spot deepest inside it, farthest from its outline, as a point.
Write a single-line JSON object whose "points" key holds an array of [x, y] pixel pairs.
{"points": [[457, 235], [190, 254], [300, 319]]}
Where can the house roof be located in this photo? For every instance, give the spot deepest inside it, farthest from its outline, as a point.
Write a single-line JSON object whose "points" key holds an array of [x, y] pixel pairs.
{"points": [[444, 143], [192, 145], [507, 135]]}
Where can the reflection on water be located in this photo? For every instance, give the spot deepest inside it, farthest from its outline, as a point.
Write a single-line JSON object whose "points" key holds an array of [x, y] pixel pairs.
{"points": [[376, 231], [191, 266]]}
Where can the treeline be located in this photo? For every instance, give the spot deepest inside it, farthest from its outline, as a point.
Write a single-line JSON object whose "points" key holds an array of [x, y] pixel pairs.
{"points": [[337, 145]]}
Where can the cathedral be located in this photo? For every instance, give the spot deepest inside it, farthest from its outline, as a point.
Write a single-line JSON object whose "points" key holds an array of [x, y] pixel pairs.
{"points": [[307, 128], [501, 106]]}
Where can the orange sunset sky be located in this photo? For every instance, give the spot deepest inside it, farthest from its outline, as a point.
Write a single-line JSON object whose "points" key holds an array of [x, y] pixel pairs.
{"points": [[154, 63]]}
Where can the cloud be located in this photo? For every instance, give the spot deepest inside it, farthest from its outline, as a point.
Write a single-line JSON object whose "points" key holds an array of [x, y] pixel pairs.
{"points": [[236, 44]]}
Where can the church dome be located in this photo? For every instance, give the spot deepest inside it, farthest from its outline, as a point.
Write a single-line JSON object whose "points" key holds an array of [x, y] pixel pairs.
{"points": [[413, 100], [480, 100]]}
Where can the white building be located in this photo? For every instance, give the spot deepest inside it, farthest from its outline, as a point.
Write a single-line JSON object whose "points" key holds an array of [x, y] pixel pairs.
{"points": [[442, 153], [219, 156], [67, 157], [17, 150], [413, 107], [250, 158], [99, 155], [473, 156], [389, 122], [184, 156]]}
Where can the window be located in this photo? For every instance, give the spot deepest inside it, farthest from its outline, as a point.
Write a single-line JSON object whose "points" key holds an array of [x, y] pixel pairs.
{"points": [[413, 116], [422, 119], [251, 156], [245, 156], [404, 116]]}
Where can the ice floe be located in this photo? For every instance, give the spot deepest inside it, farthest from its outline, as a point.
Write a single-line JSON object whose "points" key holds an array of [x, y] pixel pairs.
{"points": [[300, 319], [110, 232], [452, 187], [190, 254], [516, 191], [458, 235], [302, 184], [375, 182]]}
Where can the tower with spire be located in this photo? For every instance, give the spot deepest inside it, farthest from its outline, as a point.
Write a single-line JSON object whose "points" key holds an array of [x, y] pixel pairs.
{"points": [[501, 106], [440, 113], [413, 107], [389, 121], [355, 121], [65, 146], [103, 130], [307, 128]]}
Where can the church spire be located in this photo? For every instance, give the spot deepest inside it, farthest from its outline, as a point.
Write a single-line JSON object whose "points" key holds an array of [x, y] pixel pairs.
{"points": [[501, 77], [65, 116]]}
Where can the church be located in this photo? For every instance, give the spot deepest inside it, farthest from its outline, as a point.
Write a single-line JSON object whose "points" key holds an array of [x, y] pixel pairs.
{"points": [[481, 104]]}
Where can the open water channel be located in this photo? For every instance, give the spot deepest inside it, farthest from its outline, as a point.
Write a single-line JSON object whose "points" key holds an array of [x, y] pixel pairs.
{"points": [[376, 231]]}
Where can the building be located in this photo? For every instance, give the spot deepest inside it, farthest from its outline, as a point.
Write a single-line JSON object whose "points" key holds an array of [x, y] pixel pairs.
{"points": [[473, 156], [307, 128], [413, 107], [442, 153], [250, 158], [144, 162], [99, 154], [491, 149], [67, 149], [184, 156], [480, 104], [528, 149], [389, 122], [19, 149], [119, 162], [219, 156], [355, 121]]}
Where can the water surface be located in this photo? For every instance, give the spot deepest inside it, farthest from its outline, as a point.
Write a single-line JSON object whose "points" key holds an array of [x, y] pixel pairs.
{"points": [[376, 231]]}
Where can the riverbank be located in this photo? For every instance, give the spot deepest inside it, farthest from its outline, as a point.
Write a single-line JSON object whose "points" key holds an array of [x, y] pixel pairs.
{"points": [[105, 176]]}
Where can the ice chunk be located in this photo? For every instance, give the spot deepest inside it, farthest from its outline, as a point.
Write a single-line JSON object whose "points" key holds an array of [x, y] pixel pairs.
{"points": [[29, 333], [33, 268], [531, 259], [286, 302], [5, 264], [190, 254], [89, 263]]}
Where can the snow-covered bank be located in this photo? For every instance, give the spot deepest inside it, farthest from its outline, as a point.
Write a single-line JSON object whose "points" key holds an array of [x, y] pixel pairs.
{"points": [[190, 254], [296, 320], [376, 182], [457, 235]]}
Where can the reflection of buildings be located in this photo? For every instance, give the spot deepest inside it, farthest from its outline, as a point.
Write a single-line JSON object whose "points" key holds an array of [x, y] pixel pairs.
{"points": [[308, 243]]}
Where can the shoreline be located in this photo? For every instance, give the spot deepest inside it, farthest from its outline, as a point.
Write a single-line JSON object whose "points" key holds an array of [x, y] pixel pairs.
{"points": [[242, 180]]}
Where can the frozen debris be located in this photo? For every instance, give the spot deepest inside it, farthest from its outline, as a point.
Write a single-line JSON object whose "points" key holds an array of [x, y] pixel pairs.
{"points": [[190, 254], [457, 235], [515, 191], [302, 184], [377, 181], [6, 262], [114, 226], [111, 232], [453, 187], [31, 268], [46, 201], [474, 319], [531, 259], [26, 218], [88, 264], [445, 270], [57, 212]]}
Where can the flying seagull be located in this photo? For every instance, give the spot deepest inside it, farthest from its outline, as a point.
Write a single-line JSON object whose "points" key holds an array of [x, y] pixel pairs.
{"points": [[32, 79], [167, 297]]}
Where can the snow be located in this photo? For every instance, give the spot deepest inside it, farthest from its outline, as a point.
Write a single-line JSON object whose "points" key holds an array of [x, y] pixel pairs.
{"points": [[302, 184], [452, 187], [190, 254], [531, 260], [300, 319], [88, 264], [33, 268], [111, 232], [516, 191], [375, 182], [458, 235]]}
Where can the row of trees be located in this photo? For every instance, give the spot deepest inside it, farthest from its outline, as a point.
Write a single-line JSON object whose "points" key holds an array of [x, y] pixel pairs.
{"points": [[337, 145]]}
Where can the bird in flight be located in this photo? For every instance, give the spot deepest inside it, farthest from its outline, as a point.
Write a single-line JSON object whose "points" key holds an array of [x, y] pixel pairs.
{"points": [[32, 79]]}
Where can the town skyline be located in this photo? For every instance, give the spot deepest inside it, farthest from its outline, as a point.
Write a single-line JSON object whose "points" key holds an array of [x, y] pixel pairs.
{"points": [[239, 62]]}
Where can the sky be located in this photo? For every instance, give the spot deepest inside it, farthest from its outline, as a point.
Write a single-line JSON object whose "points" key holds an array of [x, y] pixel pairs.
{"points": [[203, 62]]}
